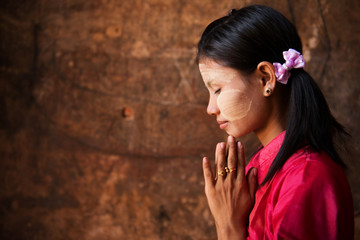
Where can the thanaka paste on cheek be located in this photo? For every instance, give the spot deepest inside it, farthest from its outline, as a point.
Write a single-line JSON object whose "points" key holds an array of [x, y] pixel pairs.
{"points": [[233, 104]]}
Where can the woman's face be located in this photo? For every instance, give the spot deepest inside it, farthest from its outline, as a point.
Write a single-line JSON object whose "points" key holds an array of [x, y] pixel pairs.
{"points": [[236, 99]]}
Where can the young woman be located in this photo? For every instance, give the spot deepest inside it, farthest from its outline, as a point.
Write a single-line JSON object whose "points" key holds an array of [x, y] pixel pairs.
{"points": [[294, 187]]}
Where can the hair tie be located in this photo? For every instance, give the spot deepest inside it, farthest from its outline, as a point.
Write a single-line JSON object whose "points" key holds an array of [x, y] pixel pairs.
{"points": [[293, 59]]}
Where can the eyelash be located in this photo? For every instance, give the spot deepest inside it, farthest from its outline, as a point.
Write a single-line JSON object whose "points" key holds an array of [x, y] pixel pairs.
{"points": [[217, 91]]}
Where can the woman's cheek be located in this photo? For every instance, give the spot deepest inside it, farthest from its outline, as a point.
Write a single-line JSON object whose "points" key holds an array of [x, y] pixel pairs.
{"points": [[233, 104]]}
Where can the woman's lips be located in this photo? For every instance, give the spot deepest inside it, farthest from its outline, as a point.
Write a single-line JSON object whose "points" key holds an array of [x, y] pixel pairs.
{"points": [[223, 124]]}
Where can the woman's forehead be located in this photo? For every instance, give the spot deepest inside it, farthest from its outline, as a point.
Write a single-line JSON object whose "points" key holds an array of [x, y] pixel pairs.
{"points": [[211, 71]]}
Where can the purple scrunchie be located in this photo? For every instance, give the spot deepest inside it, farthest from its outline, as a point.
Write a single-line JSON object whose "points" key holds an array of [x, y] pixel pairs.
{"points": [[293, 59]]}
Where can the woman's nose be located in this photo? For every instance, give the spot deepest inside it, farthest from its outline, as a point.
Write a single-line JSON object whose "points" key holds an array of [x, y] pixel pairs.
{"points": [[212, 108]]}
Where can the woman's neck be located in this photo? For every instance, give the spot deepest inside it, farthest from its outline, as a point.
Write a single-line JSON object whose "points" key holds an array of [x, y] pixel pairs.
{"points": [[275, 124], [267, 135]]}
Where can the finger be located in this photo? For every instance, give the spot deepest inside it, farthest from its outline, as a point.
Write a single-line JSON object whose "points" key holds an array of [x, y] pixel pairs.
{"points": [[221, 160], [216, 162], [241, 161], [232, 158], [252, 180], [208, 174]]}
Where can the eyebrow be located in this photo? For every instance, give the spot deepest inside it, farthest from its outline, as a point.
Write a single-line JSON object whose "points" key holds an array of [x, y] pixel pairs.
{"points": [[209, 83]]}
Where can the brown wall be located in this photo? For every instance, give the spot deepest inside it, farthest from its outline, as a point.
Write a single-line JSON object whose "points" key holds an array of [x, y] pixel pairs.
{"points": [[102, 112]]}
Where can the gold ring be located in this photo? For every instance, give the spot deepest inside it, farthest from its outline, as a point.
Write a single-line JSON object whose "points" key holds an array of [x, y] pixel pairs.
{"points": [[227, 169], [221, 173], [232, 170]]}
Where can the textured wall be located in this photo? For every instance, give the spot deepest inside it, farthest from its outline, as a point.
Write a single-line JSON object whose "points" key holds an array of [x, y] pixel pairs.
{"points": [[102, 112]]}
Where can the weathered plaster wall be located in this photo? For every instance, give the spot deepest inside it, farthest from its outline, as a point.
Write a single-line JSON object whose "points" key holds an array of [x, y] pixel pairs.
{"points": [[102, 112]]}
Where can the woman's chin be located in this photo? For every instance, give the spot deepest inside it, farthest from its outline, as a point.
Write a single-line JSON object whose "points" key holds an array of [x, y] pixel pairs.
{"points": [[231, 132], [236, 132]]}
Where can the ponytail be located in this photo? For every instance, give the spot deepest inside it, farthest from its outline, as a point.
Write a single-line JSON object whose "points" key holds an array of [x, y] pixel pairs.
{"points": [[310, 122]]}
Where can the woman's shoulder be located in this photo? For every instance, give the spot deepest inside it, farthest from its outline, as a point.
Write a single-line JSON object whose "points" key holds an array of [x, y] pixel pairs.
{"points": [[315, 171], [308, 161], [313, 191]]}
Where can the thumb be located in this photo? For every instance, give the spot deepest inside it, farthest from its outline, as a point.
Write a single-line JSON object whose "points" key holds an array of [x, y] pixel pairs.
{"points": [[252, 180]]}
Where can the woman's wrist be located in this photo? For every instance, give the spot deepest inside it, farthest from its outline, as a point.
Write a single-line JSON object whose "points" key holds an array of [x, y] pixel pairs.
{"points": [[231, 233]]}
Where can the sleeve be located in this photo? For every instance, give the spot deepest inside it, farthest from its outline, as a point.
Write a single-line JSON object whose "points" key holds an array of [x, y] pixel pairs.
{"points": [[319, 206]]}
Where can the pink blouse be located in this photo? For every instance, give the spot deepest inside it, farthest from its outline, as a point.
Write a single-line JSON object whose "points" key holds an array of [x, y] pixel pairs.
{"points": [[309, 198]]}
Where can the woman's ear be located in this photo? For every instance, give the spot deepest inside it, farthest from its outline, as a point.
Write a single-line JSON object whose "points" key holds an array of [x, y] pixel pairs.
{"points": [[266, 71]]}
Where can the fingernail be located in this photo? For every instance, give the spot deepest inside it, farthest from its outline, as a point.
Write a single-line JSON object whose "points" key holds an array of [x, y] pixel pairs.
{"points": [[230, 139], [204, 160], [239, 144], [255, 172], [222, 145]]}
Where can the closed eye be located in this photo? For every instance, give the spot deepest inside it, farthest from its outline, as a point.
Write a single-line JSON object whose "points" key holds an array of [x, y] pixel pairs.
{"points": [[217, 91]]}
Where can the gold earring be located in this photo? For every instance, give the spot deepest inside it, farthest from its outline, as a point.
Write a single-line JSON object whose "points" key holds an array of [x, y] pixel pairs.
{"points": [[268, 91]]}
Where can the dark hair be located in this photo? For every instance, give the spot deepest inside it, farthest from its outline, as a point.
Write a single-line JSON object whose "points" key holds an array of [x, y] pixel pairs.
{"points": [[248, 36]]}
